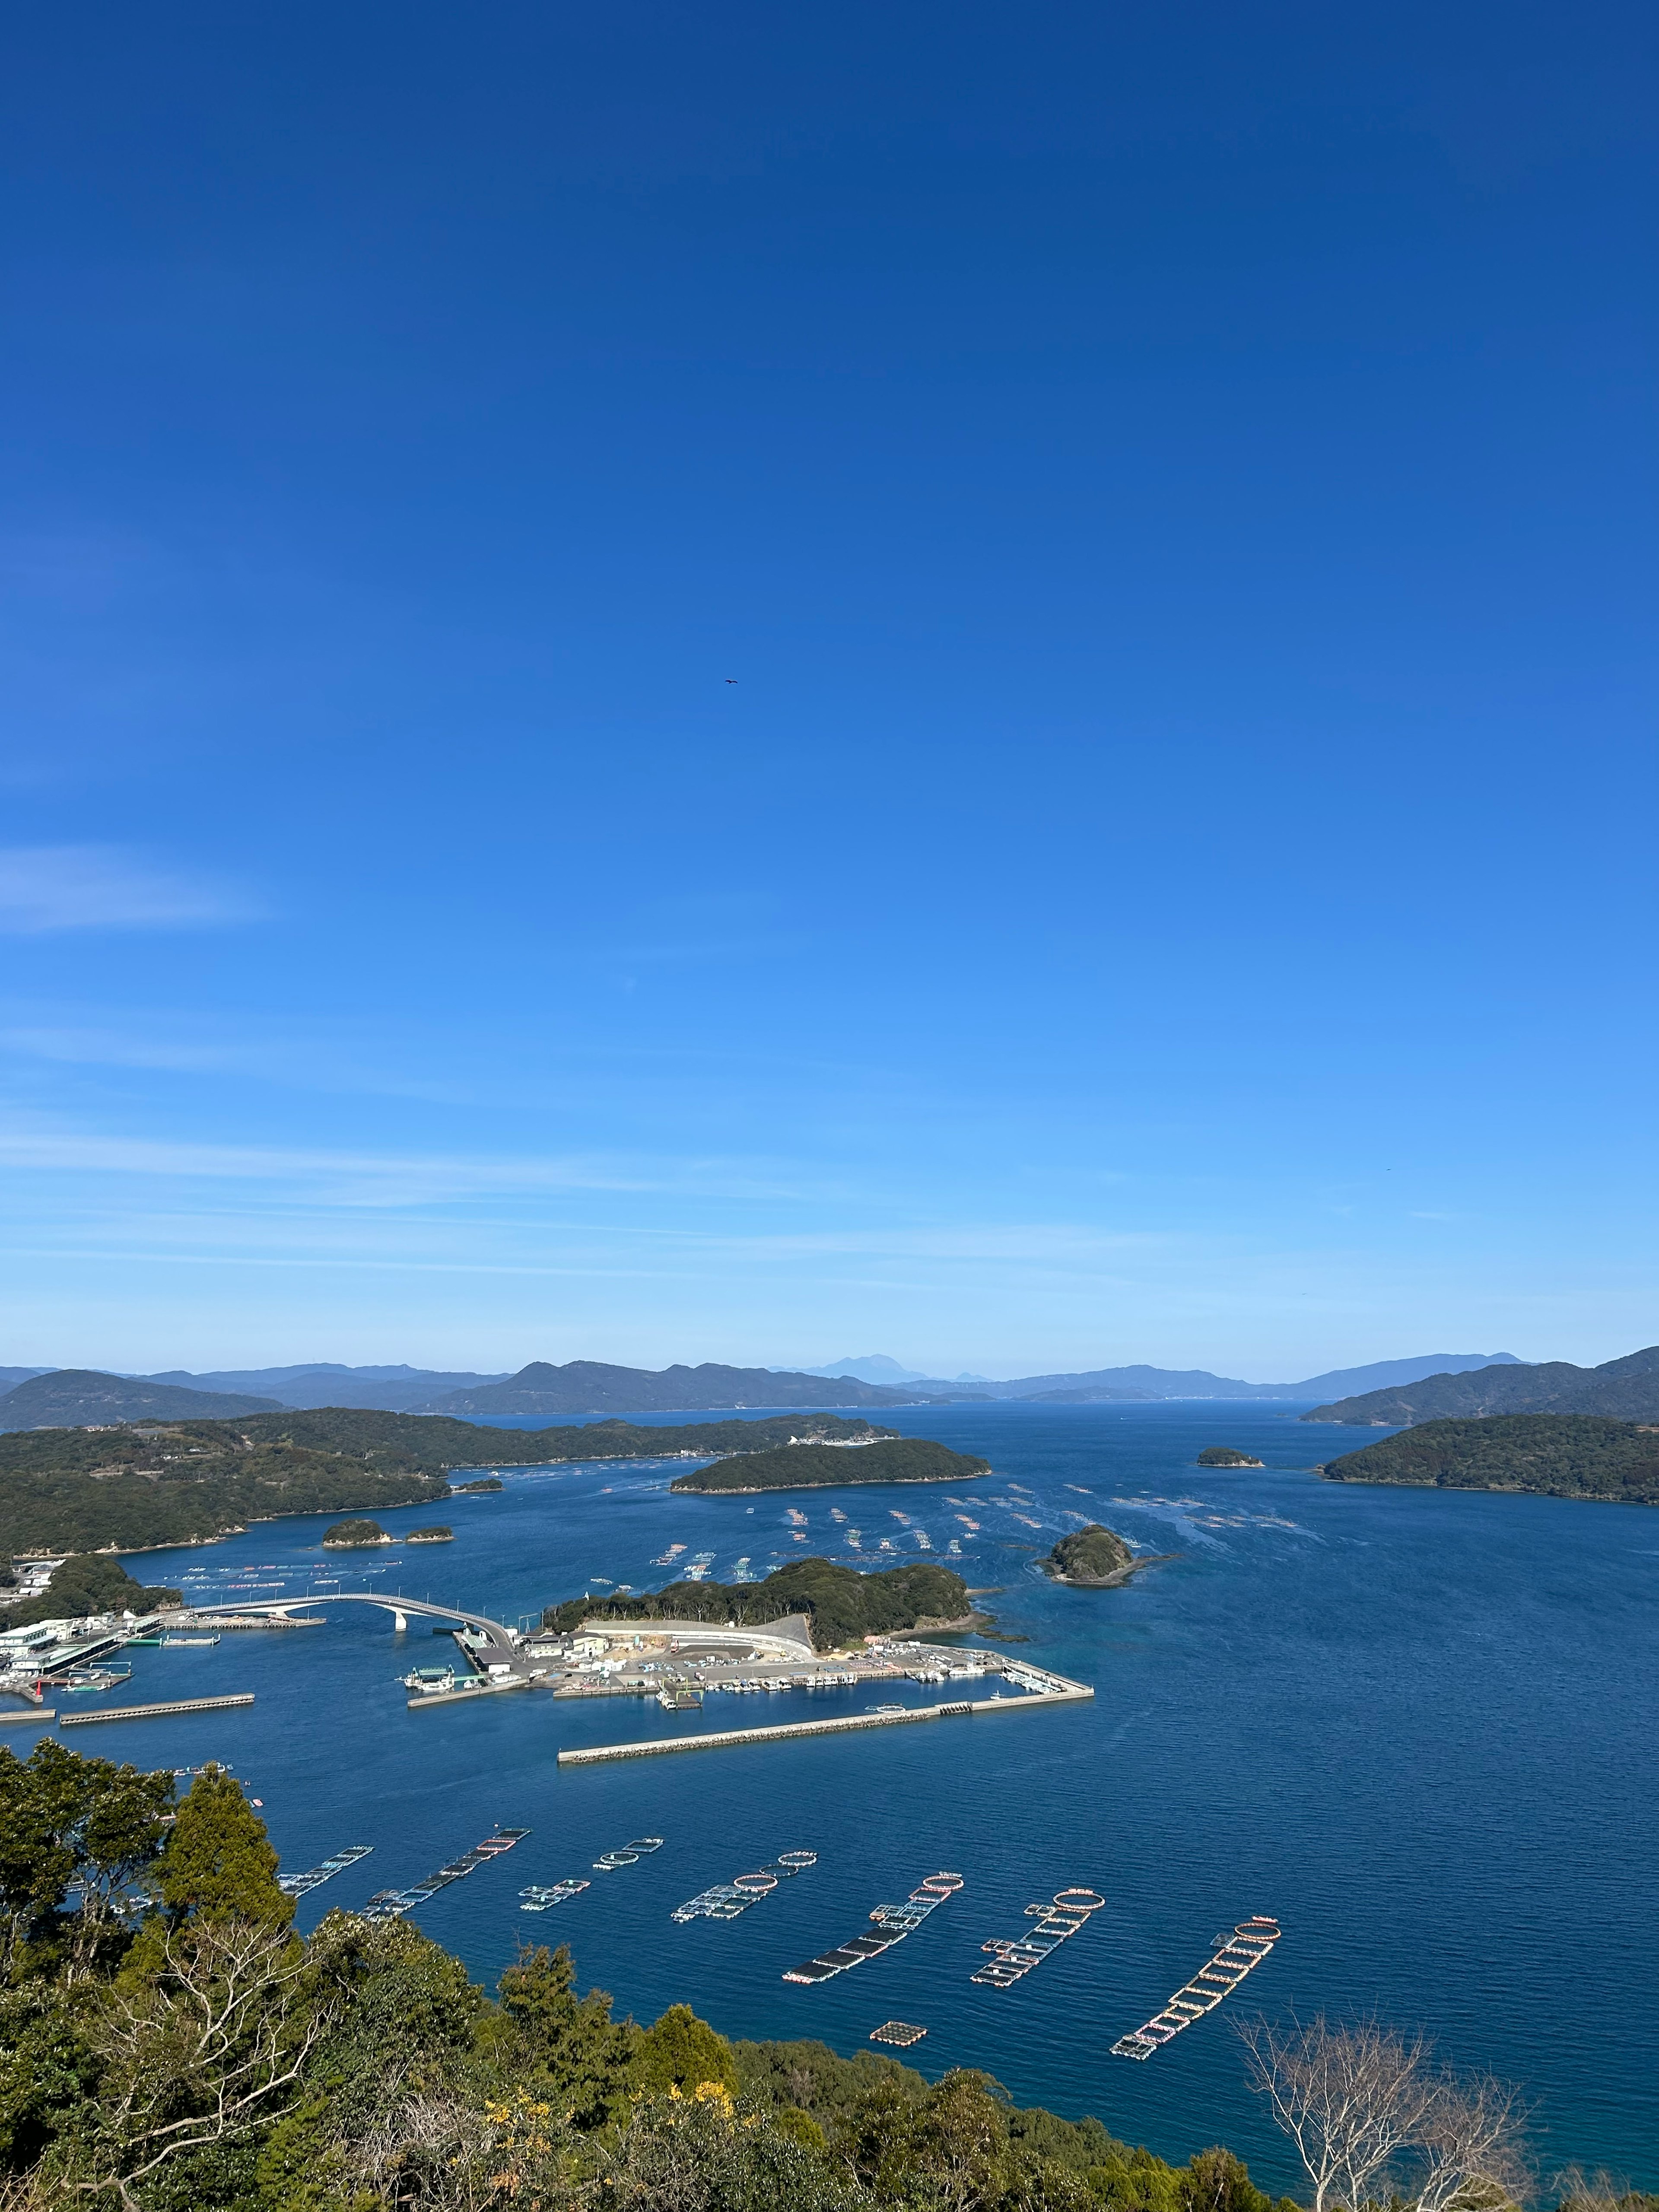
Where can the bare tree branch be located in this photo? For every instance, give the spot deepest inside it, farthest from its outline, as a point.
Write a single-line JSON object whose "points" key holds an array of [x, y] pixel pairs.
{"points": [[1350, 2099]]}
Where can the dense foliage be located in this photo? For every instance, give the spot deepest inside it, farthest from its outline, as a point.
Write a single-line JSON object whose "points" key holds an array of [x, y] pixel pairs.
{"points": [[1224, 1455], [348, 1534], [841, 1604], [168, 2044], [86, 1584], [189, 1481], [1094, 1554], [1562, 1455], [805, 1466]]}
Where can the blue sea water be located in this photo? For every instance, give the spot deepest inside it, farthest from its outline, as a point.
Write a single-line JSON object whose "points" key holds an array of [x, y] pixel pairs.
{"points": [[1417, 1727]]}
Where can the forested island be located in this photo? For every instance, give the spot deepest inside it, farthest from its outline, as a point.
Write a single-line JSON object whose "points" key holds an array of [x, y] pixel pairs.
{"points": [[816, 1467], [353, 1535], [1557, 1454], [366, 2070], [841, 1605], [1225, 1455], [187, 1482], [1093, 1558]]}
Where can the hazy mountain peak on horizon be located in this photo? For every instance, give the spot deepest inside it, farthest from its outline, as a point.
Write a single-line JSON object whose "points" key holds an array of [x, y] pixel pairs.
{"points": [[865, 1367]]}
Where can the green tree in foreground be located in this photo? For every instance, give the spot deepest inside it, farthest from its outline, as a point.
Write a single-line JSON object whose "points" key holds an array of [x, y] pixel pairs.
{"points": [[219, 1862]]}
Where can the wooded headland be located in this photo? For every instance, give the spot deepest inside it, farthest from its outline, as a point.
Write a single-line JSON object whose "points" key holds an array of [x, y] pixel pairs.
{"points": [[1558, 1454], [186, 1482]]}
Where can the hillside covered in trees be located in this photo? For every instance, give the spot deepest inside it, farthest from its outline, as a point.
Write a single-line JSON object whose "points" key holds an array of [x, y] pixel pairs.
{"points": [[167, 2044], [814, 1466], [182, 1482], [1561, 1454], [842, 1604]]}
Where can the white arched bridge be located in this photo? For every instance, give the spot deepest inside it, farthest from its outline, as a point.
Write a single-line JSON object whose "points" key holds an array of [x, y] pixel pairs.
{"points": [[492, 1643]]}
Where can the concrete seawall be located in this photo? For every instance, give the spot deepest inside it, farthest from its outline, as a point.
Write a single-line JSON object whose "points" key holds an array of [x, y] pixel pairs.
{"points": [[718, 1739], [155, 1713]]}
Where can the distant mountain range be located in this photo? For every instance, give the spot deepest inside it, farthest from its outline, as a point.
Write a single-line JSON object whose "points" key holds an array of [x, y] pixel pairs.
{"points": [[1391, 1393], [588, 1386], [322, 1382], [1625, 1389], [1104, 1385], [79, 1397]]}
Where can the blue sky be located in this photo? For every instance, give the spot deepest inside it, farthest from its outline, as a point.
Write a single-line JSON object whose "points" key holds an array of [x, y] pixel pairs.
{"points": [[1172, 878]]}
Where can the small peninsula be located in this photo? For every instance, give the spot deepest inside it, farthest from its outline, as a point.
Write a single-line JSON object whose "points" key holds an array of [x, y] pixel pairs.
{"points": [[841, 1604], [1224, 1455], [1554, 1455], [1095, 1558], [818, 1466], [353, 1535], [485, 1482], [85, 1585]]}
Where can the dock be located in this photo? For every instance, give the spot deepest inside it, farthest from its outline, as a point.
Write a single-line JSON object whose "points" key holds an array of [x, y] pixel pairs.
{"points": [[45, 1713], [155, 1713], [1064, 1693], [466, 1693]]}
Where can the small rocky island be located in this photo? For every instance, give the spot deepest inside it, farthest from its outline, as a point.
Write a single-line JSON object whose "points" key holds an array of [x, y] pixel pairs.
{"points": [[1224, 1455], [1094, 1558], [353, 1535], [474, 1489], [433, 1535]]}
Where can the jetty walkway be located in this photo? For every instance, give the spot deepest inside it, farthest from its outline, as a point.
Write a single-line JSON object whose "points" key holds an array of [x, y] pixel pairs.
{"points": [[1046, 1690]]}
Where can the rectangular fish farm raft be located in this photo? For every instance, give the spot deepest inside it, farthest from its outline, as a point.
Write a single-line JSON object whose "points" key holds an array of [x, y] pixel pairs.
{"points": [[301, 1884], [393, 1904], [726, 1899], [1239, 1954], [1013, 1956], [889, 1924]]}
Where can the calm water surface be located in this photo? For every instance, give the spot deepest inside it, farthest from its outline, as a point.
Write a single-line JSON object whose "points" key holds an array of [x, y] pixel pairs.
{"points": [[1416, 1726]]}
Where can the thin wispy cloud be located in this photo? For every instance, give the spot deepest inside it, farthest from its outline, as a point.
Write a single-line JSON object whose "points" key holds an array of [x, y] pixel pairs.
{"points": [[47, 887]]}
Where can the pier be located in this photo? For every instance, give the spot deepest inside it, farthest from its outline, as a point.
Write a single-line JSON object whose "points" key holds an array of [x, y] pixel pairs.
{"points": [[153, 1712], [1062, 1693]]}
